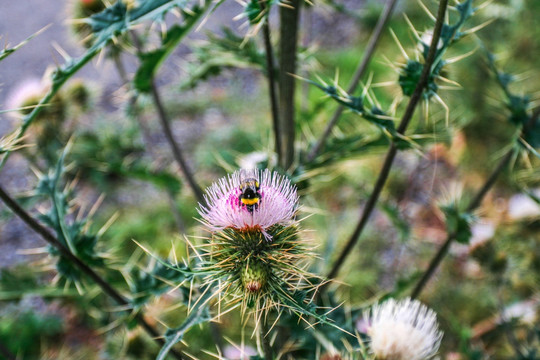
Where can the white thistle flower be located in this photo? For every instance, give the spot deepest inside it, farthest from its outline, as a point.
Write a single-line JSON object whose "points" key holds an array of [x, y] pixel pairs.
{"points": [[275, 202], [403, 330]]}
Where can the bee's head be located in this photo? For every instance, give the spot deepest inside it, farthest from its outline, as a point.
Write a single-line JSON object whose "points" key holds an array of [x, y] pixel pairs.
{"points": [[249, 184], [249, 193]]}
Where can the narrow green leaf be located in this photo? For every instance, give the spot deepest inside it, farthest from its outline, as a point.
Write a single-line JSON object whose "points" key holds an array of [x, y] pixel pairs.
{"points": [[154, 10], [4, 53], [117, 19], [147, 284]]}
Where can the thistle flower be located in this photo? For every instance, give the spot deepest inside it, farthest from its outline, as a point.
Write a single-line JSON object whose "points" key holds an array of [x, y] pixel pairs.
{"points": [[272, 201], [403, 330], [254, 252]]}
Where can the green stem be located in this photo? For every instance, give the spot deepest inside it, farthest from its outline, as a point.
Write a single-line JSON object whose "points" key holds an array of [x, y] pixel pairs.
{"points": [[390, 156], [270, 70], [289, 17], [175, 147], [265, 339], [362, 66], [64, 251], [165, 124], [6, 353]]}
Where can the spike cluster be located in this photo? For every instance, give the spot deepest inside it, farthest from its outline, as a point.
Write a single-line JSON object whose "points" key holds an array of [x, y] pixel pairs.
{"points": [[254, 250], [410, 71]]}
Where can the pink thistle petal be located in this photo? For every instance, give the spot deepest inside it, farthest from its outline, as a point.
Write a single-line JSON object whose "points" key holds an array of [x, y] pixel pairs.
{"points": [[277, 205]]}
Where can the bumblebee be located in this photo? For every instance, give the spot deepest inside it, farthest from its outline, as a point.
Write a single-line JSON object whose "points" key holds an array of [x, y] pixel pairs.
{"points": [[250, 196]]}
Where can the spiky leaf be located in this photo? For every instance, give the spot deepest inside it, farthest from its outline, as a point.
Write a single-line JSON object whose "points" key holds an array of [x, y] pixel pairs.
{"points": [[458, 223], [152, 60]]}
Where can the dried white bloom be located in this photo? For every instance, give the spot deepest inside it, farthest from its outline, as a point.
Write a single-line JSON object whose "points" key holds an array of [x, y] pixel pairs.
{"points": [[403, 330], [253, 159]]}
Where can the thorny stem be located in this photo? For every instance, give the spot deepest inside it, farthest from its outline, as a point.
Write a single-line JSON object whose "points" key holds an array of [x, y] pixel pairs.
{"points": [[165, 124], [267, 348], [270, 68], [435, 262], [6, 353], [477, 200], [362, 66], [404, 123], [288, 38], [306, 40], [103, 284]]}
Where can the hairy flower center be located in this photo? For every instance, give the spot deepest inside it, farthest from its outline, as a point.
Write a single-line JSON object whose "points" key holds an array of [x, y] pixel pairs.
{"points": [[398, 341]]}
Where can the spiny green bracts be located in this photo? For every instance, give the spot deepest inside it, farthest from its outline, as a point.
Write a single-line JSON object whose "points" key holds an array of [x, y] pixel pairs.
{"points": [[254, 251]]}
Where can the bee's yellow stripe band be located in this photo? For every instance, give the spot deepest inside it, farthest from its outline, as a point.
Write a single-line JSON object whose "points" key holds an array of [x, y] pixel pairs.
{"points": [[250, 201]]}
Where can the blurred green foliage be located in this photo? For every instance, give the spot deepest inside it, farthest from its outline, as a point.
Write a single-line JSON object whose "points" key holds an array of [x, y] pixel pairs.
{"points": [[483, 115]]}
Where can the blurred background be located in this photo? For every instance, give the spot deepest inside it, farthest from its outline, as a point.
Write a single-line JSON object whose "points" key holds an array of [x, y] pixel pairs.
{"points": [[220, 116]]}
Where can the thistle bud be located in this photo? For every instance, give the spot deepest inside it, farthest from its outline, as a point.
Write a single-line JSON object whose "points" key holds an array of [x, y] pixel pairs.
{"points": [[91, 6], [254, 277], [79, 9], [79, 93]]}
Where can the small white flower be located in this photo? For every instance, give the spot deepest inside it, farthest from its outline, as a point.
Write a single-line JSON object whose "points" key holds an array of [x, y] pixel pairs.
{"points": [[235, 352], [253, 159], [274, 202], [27, 89], [427, 37], [523, 206], [403, 330]]}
